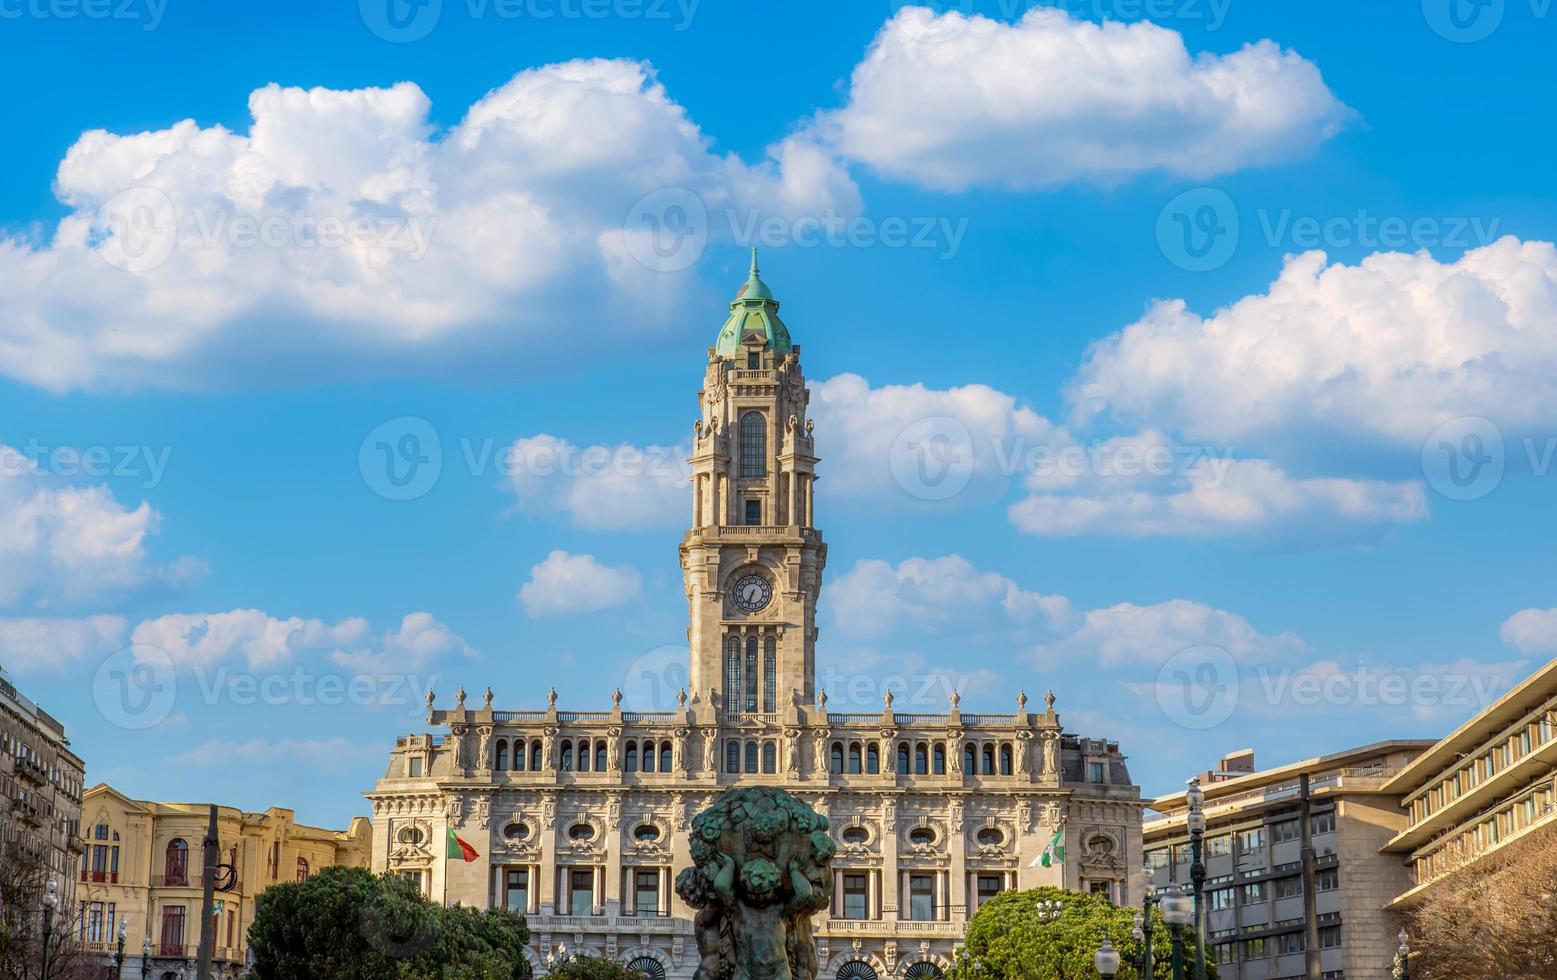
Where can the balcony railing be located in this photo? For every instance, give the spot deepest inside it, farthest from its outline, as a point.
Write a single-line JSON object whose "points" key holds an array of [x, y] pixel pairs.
{"points": [[100, 877]]}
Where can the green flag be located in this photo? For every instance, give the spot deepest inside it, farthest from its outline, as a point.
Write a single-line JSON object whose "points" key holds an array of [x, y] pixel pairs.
{"points": [[1055, 851]]}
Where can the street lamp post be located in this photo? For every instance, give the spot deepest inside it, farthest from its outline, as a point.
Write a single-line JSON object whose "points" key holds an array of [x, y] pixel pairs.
{"points": [[50, 903], [1177, 910], [119, 956], [1403, 959], [1106, 960], [146, 954], [1144, 924], [1196, 798]]}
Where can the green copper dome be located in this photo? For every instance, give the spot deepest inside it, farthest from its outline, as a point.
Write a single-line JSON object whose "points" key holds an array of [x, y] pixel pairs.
{"points": [[754, 311]]}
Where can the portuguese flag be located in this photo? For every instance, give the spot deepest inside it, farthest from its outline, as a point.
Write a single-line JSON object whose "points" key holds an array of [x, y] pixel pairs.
{"points": [[459, 849]]}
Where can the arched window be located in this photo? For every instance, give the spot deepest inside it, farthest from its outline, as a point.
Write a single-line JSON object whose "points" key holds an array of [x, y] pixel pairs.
{"points": [[600, 756], [665, 757], [501, 762], [302, 870], [923, 970], [1005, 759], [854, 758], [970, 759], [989, 760], [856, 970], [732, 756], [751, 756], [631, 764], [921, 759], [175, 867], [770, 674], [535, 756], [648, 756], [733, 685], [835, 758], [940, 759], [583, 755], [754, 445], [872, 759], [100, 832], [567, 756], [648, 967], [769, 757], [751, 673], [902, 758]]}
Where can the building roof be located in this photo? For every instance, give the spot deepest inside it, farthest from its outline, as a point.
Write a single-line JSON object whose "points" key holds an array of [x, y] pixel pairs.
{"points": [[1524, 698], [1173, 805], [753, 316]]}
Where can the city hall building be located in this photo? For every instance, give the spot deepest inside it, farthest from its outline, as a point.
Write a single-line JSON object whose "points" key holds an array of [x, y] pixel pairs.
{"points": [[580, 818]]}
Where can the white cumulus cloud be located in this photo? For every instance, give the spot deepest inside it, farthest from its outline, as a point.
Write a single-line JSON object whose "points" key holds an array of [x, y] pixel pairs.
{"points": [[565, 584], [1129, 633], [956, 101], [1387, 349], [265, 642], [600, 488], [344, 232], [1531, 631], [32, 645]]}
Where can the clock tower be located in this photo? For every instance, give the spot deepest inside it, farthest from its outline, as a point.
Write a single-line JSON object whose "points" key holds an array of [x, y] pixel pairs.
{"points": [[752, 561]]}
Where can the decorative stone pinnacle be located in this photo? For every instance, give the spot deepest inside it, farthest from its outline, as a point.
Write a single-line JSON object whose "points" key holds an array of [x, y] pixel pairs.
{"points": [[1048, 700]]}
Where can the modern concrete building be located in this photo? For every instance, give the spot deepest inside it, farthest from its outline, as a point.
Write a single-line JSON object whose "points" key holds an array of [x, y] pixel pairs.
{"points": [[581, 817], [1262, 913], [1486, 785], [143, 864], [40, 787]]}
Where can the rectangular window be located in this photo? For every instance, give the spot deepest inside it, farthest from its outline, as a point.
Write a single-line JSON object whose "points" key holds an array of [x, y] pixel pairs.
{"points": [[1291, 942], [1218, 845], [416, 767], [1225, 953], [854, 896], [753, 361], [173, 931], [1323, 823], [1329, 937], [1254, 949], [1253, 893], [1251, 840], [1287, 830], [1157, 859], [1288, 887], [516, 890], [988, 887], [1095, 772], [1327, 880], [1104, 889], [921, 897], [1219, 899], [646, 891], [581, 888], [753, 513]]}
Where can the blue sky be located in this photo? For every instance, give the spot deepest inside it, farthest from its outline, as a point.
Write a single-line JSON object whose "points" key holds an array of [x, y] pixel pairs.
{"points": [[1016, 183]]}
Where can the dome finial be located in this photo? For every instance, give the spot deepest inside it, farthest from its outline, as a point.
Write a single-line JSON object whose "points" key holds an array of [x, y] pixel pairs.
{"points": [[754, 270]]}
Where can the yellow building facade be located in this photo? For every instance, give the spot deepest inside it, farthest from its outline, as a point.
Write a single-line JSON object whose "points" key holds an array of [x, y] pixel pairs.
{"points": [[142, 866]]}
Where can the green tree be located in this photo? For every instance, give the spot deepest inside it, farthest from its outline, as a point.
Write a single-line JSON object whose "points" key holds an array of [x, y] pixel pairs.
{"points": [[1008, 940], [347, 924], [591, 968]]}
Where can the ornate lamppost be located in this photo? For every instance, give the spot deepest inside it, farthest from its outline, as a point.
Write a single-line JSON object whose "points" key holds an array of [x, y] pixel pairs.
{"points": [[1403, 959], [1196, 798], [124, 928], [1177, 910], [1143, 922], [50, 903], [557, 957], [1050, 909], [1106, 960], [146, 955]]}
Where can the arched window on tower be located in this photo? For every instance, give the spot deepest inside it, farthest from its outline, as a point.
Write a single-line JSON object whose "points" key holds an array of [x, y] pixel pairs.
{"points": [[872, 759], [631, 763], [567, 756], [732, 680], [754, 445], [751, 673], [940, 759], [175, 867], [921, 759], [600, 757], [751, 756], [1005, 759], [989, 760], [732, 756], [583, 755], [835, 758], [970, 759], [501, 762], [648, 756], [854, 758], [769, 757], [770, 674], [902, 758], [665, 757], [535, 756]]}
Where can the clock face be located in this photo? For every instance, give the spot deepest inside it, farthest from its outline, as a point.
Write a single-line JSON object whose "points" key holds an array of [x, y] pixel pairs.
{"points": [[752, 593]]}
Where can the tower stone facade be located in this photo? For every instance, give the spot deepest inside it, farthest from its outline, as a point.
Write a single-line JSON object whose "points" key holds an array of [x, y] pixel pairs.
{"points": [[581, 818]]}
